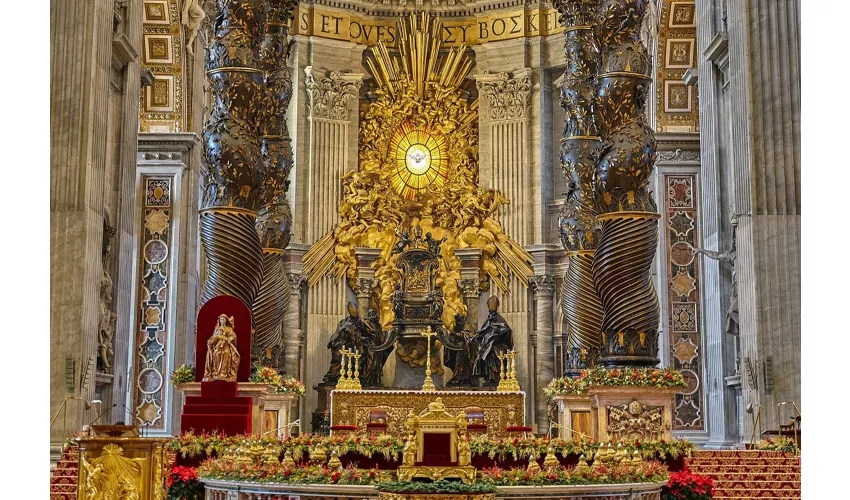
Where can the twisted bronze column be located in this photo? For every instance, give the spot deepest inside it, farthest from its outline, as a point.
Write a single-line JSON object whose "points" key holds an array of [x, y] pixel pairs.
{"points": [[580, 147], [275, 220], [247, 40], [623, 261]]}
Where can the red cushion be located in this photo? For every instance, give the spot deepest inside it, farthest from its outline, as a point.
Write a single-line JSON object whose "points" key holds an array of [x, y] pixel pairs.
{"points": [[343, 427], [518, 428], [376, 426], [476, 427]]}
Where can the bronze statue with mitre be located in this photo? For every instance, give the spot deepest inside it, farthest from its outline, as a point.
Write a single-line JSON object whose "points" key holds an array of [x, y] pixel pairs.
{"points": [[493, 339]]}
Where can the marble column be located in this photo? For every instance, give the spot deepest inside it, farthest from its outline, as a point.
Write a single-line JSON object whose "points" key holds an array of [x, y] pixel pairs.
{"points": [[332, 151], [293, 320], [761, 78], [82, 49], [543, 343]]}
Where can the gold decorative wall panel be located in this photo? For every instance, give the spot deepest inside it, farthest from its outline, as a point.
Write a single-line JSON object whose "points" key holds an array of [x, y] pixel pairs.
{"points": [[161, 106], [676, 102]]}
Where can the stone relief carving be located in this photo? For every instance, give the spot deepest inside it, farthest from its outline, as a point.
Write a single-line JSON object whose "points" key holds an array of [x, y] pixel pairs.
{"points": [[635, 421], [508, 97], [329, 96], [106, 325], [678, 155]]}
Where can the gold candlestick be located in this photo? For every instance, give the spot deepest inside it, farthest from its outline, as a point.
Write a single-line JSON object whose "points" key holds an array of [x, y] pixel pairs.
{"points": [[428, 385], [502, 373], [355, 382], [342, 383]]}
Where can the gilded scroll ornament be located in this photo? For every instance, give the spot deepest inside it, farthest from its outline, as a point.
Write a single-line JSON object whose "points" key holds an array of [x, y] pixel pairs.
{"points": [[418, 168]]}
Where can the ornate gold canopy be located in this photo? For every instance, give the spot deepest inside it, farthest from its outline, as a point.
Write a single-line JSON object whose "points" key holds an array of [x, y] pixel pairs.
{"points": [[419, 167]]}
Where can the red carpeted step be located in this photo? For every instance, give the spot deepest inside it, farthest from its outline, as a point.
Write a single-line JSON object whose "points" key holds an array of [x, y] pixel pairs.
{"points": [[230, 425], [219, 389], [202, 400], [63, 479], [219, 409], [710, 470], [755, 493]]}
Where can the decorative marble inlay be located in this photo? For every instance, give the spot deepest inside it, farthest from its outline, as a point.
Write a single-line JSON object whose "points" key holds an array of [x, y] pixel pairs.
{"points": [[161, 104], [152, 334], [683, 292]]}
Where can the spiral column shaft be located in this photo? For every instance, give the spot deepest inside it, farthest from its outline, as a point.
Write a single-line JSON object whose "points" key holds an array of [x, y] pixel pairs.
{"points": [[268, 310], [582, 307], [234, 256], [622, 275]]}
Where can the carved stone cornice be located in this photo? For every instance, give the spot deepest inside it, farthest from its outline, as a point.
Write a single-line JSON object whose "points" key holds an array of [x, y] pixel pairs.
{"points": [[507, 95], [329, 95], [296, 281], [678, 155], [543, 284]]}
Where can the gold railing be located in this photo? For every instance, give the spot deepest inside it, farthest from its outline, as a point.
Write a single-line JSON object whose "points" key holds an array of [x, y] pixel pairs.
{"points": [[64, 410]]}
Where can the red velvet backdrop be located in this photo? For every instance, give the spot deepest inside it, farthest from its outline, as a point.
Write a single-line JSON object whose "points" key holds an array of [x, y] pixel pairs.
{"points": [[207, 318]]}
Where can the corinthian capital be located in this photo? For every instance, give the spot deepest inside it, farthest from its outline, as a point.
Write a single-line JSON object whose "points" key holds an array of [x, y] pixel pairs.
{"points": [[329, 94], [506, 94], [543, 284], [296, 281]]}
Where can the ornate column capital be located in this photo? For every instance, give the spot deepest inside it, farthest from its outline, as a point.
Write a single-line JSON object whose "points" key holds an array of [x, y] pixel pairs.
{"points": [[296, 281], [364, 287], [543, 284], [329, 94], [507, 94], [470, 287]]}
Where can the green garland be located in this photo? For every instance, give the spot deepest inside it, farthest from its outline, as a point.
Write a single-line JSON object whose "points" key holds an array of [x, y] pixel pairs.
{"points": [[660, 378], [390, 448], [645, 472], [779, 443], [228, 470], [437, 487]]}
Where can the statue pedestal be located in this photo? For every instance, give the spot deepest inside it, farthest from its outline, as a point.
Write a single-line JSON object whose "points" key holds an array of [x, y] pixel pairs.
{"points": [[622, 412], [257, 392], [277, 414]]}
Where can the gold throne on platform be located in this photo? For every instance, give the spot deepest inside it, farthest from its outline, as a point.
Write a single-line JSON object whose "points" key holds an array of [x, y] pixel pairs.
{"points": [[437, 446]]}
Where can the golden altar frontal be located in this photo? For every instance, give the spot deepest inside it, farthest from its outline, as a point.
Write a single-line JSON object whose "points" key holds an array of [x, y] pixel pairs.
{"points": [[115, 462], [501, 409]]}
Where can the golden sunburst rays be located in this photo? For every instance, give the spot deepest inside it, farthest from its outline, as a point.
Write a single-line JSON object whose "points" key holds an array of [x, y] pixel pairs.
{"points": [[420, 159], [419, 63]]}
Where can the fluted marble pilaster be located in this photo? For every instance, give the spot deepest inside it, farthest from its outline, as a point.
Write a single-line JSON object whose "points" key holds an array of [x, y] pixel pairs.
{"points": [[332, 131], [764, 62], [80, 53]]}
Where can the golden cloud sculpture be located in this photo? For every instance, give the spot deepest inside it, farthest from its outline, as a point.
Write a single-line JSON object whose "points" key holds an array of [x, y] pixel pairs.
{"points": [[419, 167]]}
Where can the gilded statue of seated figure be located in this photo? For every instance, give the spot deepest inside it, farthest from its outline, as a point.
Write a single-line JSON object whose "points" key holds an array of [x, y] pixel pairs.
{"points": [[222, 355]]}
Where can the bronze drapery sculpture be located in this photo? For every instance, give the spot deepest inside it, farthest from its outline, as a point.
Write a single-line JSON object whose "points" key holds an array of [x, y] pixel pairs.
{"points": [[460, 361], [493, 339]]}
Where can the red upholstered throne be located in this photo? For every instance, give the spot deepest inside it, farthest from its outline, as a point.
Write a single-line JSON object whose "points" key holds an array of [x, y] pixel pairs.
{"points": [[219, 408]]}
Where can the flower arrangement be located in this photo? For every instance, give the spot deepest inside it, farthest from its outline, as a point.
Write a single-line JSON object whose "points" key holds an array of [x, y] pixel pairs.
{"points": [[436, 487], [661, 378], [645, 472], [185, 373], [192, 445], [686, 486], [780, 443], [229, 470], [521, 448], [281, 383], [183, 484]]}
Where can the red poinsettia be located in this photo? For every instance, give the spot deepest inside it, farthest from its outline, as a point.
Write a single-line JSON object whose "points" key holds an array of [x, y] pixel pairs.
{"points": [[687, 486], [183, 483]]}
